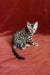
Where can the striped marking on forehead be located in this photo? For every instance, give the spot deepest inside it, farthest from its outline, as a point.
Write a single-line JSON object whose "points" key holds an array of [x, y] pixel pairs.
{"points": [[32, 25]]}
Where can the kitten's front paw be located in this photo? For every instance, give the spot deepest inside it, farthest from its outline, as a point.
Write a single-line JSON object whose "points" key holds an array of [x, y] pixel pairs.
{"points": [[27, 46], [35, 44]]}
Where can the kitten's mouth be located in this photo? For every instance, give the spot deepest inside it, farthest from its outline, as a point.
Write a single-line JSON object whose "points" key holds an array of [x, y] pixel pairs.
{"points": [[31, 33]]}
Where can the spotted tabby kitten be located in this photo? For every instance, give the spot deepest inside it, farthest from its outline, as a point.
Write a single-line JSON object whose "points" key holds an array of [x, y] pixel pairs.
{"points": [[22, 36]]}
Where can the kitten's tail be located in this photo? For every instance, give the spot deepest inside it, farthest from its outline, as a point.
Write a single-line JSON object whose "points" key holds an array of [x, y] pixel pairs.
{"points": [[18, 56]]}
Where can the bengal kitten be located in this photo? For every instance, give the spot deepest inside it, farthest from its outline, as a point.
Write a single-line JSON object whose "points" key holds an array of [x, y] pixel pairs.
{"points": [[22, 36]]}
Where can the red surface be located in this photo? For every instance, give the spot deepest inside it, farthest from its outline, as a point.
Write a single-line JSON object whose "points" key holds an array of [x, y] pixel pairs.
{"points": [[13, 16]]}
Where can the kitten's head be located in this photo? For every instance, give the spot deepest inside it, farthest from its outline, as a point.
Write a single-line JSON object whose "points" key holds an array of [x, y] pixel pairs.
{"points": [[32, 27]]}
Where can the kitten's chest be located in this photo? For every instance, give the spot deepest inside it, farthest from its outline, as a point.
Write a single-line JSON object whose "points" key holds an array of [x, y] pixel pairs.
{"points": [[28, 37]]}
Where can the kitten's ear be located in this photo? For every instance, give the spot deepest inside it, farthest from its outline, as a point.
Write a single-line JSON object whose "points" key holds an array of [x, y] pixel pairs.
{"points": [[28, 24], [36, 24]]}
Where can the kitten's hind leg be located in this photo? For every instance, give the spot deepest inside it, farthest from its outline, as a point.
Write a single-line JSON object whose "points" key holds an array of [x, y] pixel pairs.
{"points": [[14, 48], [26, 46]]}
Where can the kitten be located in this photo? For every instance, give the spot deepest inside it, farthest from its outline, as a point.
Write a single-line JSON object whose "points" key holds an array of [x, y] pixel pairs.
{"points": [[22, 36]]}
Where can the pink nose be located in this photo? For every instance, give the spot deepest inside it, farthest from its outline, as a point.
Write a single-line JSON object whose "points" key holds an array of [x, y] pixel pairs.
{"points": [[32, 31]]}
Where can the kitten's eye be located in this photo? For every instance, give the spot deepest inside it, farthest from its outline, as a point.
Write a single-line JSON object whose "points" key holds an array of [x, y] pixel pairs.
{"points": [[30, 29], [34, 29]]}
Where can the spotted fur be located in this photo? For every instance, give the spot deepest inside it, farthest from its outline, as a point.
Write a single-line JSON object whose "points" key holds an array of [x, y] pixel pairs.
{"points": [[22, 36]]}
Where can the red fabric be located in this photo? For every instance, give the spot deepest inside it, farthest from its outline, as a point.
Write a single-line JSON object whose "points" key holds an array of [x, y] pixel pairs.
{"points": [[13, 16]]}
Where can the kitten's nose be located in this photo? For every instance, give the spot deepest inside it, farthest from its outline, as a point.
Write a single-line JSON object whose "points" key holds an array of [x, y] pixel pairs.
{"points": [[32, 31]]}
